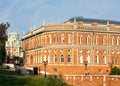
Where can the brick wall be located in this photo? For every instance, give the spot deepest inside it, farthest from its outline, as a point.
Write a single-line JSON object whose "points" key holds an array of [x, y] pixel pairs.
{"points": [[91, 80]]}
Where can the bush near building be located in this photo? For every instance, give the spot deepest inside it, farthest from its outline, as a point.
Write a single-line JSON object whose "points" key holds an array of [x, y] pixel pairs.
{"points": [[115, 71], [31, 81]]}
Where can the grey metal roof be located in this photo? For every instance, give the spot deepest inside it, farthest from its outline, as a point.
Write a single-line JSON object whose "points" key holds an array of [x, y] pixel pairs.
{"points": [[90, 20]]}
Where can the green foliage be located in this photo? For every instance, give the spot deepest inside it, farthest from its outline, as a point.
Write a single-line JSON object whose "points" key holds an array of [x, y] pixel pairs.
{"points": [[31, 81], [20, 80], [115, 71], [6, 70], [3, 38]]}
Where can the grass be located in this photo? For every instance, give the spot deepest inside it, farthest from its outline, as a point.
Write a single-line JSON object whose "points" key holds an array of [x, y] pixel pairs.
{"points": [[5, 70], [30, 81], [27, 80]]}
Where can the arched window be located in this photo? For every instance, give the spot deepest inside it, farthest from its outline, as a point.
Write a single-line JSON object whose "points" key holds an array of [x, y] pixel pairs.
{"points": [[112, 40], [69, 38], [88, 58], [80, 59], [80, 39], [116, 60], [62, 58], [112, 60], [55, 58], [104, 60], [69, 58], [96, 60]]}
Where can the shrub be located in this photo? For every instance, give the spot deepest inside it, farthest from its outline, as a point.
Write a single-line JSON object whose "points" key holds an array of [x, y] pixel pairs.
{"points": [[115, 71]]}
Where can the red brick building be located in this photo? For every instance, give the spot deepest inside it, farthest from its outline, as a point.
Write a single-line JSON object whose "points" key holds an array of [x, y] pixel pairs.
{"points": [[68, 45]]}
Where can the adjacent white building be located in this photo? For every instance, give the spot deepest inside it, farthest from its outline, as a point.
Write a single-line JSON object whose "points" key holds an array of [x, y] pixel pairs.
{"points": [[12, 46]]}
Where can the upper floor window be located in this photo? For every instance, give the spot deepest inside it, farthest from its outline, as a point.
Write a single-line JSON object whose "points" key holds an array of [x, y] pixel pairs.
{"points": [[69, 38], [80, 59], [62, 38], [112, 40], [80, 39], [49, 59], [45, 39], [104, 60], [96, 40], [112, 60], [62, 58], [50, 39], [96, 60], [88, 58], [55, 58], [118, 39], [104, 40], [87, 39], [69, 58], [116, 60], [55, 38]]}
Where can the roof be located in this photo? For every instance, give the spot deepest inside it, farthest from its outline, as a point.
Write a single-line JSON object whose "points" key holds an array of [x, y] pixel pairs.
{"points": [[90, 20]]}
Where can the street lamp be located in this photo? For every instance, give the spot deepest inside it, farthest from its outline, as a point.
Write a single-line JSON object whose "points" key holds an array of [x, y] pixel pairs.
{"points": [[86, 70], [45, 63]]}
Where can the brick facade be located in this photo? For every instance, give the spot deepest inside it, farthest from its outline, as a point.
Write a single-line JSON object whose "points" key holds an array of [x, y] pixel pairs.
{"points": [[66, 46]]}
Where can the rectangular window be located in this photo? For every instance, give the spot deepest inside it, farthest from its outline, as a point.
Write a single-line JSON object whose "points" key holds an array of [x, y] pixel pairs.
{"points": [[80, 39], [104, 40], [62, 38], [55, 38], [49, 59], [69, 38], [50, 39]]}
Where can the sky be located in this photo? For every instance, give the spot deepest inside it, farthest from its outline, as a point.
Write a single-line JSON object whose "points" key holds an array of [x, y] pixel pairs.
{"points": [[25, 14]]}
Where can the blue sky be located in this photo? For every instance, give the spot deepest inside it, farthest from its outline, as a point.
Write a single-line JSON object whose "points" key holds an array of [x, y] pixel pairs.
{"points": [[23, 14]]}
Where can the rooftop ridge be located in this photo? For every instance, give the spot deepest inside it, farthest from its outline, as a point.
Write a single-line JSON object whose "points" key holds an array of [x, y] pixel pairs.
{"points": [[91, 20]]}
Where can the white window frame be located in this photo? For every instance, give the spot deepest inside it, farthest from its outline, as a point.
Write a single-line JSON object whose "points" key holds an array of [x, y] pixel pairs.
{"points": [[62, 38], [118, 39], [104, 40], [80, 39], [55, 59], [103, 59], [80, 59], [112, 41], [96, 40], [69, 38], [62, 58]]}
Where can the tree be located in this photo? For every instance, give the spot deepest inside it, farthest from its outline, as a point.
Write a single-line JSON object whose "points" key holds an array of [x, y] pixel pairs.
{"points": [[3, 38], [115, 71]]}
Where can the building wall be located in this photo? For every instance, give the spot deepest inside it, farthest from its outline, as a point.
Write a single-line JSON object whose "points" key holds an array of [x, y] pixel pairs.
{"points": [[98, 44], [92, 80], [12, 46]]}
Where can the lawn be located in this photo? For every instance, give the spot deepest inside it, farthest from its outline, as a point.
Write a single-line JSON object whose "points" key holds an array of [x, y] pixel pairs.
{"points": [[23, 80], [5, 70], [30, 81]]}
